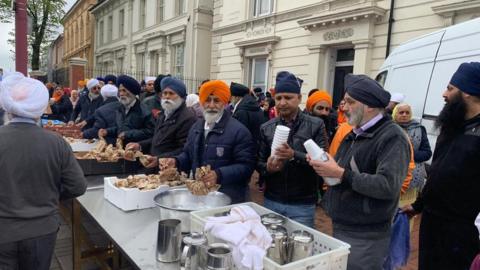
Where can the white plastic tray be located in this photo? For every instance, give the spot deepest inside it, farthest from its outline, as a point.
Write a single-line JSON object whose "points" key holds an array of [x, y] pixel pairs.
{"points": [[329, 253], [81, 145]]}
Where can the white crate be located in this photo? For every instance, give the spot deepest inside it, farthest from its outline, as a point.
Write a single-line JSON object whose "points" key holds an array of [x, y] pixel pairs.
{"points": [[81, 145], [328, 253], [130, 198]]}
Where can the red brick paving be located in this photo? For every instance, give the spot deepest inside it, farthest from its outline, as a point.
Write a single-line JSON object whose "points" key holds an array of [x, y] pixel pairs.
{"points": [[324, 224]]}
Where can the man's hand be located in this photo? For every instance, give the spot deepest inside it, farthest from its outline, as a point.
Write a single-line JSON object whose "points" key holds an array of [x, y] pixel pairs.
{"points": [[284, 152], [408, 209], [102, 133], [152, 162], [327, 168], [133, 146], [210, 179], [165, 163], [274, 164], [82, 124], [70, 123]]}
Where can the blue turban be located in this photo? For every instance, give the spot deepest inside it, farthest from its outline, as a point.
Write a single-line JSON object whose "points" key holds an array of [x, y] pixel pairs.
{"points": [[111, 78], [101, 79], [175, 84], [366, 90], [129, 83], [286, 82], [158, 80], [239, 90], [467, 78]]}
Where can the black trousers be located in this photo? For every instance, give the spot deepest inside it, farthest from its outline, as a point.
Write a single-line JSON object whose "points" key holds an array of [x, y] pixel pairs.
{"points": [[446, 244], [29, 254]]}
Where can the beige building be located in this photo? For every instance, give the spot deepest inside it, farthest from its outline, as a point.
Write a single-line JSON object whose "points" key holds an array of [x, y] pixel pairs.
{"points": [[55, 65], [151, 37], [78, 34], [320, 40]]}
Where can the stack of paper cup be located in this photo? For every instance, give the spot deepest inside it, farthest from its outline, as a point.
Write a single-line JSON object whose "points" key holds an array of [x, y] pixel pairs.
{"points": [[280, 137], [317, 153]]}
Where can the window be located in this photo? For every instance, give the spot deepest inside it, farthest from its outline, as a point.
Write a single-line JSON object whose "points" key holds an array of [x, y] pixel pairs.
{"points": [[178, 59], [142, 14], [121, 23], [181, 7], [109, 28], [381, 78], [258, 73], [100, 33], [120, 65], [154, 62], [160, 10], [140, 64], [81, 32], [262, 7]]}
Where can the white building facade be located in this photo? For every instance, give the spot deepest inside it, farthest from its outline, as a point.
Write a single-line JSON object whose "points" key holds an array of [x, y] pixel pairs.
{"points": [[151, 37], [319, 40]]}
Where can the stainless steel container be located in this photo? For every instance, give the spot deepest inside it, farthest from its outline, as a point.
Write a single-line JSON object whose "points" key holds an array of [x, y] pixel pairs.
{"points": [[278, 250], [272, 219], [194, 253], [169, 240], [300, 245], [177, 203], [219, 257]]}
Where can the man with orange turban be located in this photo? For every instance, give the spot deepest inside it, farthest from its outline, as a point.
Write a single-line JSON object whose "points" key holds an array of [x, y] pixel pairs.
{"points": [[220, 141], [319, 104]]}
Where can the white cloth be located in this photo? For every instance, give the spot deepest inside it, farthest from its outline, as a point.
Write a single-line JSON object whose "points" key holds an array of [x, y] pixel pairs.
{"points": [[397, 97], [245, 233], [191, 100], [91, 83], [148, 78], [22, 96], [109, 90], [477, 223]]}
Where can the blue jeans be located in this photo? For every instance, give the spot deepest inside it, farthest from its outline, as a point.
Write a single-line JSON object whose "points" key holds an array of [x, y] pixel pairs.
{"points": [[302, 213]]}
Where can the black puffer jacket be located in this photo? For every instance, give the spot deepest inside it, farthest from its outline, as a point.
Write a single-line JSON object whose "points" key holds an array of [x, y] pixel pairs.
{"points": [[297, 183], [250, 115]]}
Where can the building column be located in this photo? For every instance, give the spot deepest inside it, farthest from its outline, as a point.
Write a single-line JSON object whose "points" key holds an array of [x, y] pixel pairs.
{"points": [[362, 60], [317, 64]]}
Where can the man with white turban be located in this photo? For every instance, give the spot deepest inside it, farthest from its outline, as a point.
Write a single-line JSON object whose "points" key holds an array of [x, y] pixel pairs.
{"points": [[149, 88], [37, 169], [87, 105]]}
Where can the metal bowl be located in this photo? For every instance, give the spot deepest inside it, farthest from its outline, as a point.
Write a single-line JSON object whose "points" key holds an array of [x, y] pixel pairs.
{"points": [[177, 203]]}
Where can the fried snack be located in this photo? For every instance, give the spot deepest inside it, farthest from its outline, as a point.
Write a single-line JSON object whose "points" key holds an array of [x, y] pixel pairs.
{"points": [[144, 160], [202, 171], [197, 187], [147, 182]]}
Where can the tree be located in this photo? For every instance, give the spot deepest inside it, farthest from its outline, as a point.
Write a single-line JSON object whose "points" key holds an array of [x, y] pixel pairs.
{"points": [[45, 18]]}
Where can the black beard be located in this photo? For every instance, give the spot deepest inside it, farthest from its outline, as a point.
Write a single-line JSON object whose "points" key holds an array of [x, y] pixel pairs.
{"points": [[452, 117]]}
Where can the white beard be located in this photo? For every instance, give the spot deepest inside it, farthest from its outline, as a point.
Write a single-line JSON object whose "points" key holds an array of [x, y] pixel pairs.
{"points": [[170, 106], [210, 117]]}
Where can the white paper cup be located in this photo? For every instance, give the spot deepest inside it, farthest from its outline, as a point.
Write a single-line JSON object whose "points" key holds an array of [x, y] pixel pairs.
{"points": [[313, 149]]}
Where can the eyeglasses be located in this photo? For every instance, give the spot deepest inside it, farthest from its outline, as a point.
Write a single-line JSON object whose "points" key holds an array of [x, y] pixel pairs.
{"points": [[96, 87]]}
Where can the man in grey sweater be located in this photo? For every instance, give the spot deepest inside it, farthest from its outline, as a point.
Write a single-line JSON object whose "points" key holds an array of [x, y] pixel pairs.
{"points": [[37, 170], [371, 164]]}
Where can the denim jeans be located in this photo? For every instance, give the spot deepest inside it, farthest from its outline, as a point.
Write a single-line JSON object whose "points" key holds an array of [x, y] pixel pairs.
{"points": [[302, 213]]}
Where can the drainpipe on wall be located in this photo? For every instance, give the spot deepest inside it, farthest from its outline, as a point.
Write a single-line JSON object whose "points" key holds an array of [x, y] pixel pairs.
{"points": [[390, 24]]}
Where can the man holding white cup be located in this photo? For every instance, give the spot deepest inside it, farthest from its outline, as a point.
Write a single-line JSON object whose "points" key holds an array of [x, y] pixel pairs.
{"points": [[291, 184], [371, 163]]}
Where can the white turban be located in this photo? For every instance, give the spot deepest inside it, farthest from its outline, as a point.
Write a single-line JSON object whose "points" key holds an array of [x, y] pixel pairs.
{"points": [[397, 97], [92, 83], [22, 96], [147, 79], [191, 100], [109, 90]]}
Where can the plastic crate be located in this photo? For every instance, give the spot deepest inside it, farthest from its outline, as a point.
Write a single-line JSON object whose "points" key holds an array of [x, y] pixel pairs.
{"points": [[328, 253]]}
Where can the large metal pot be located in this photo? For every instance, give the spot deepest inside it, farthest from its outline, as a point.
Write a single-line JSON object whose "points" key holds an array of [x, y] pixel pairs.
{"points": [[177, 203]]}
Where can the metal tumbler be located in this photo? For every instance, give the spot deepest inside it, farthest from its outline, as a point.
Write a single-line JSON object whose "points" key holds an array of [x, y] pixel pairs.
{"points": [[219, 257], [169, 240]]}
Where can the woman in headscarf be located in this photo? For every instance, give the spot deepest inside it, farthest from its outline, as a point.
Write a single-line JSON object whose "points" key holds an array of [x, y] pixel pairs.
{"points": [[402, 115], [193, 103], [61, 106]]}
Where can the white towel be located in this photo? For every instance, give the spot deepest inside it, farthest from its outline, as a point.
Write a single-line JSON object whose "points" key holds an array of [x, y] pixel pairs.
{"points": [[245, 233]]}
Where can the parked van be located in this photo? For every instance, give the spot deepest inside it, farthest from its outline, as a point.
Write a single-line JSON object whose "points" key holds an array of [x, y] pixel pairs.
{"points": [[421, 69]]}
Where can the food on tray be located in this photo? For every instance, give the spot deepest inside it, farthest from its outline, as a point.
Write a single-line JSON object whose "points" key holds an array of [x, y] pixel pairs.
{"points": [[147, 182], [105, 152], [198, 187]]}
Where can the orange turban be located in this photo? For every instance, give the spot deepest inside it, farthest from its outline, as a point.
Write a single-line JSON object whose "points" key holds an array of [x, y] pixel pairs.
{"points": [[321, 95], [217, 88], [81, 83]]}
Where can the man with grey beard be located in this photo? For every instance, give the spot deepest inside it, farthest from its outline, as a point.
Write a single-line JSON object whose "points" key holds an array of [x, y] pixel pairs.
{"points": [[133, 123], [172, 126]]}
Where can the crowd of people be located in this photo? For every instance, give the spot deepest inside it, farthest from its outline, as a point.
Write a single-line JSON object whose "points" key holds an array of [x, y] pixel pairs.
{"points": [[377, 152]]}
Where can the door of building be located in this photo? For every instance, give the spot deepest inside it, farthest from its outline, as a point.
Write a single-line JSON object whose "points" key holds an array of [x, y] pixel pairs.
{"points": [[343, 66]]}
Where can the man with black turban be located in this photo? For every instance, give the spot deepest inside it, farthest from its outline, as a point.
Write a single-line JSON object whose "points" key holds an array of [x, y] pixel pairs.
{"points": [[371, 164]]}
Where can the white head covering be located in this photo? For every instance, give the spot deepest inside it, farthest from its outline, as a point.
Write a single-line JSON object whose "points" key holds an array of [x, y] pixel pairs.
{"points": [[109, 90], [148, 78], [191, 100], [398, 97], [22, 96], [477, 223], [91, 83]]}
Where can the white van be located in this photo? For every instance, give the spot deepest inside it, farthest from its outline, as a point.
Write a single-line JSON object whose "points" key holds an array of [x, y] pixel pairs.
{"points": [[421, 68]]}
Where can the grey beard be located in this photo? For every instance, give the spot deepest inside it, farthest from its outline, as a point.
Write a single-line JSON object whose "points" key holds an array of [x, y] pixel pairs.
{"points": [[126, 101], [93, 96], [210, 117], [169, 106]]}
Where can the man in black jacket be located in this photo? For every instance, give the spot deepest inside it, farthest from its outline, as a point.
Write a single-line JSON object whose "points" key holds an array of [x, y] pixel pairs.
{"points": [[133, 123], [172, 126], [87, 105], [153, 103], [291, 184], [370, 165], [246, 109], [450, 200]]}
